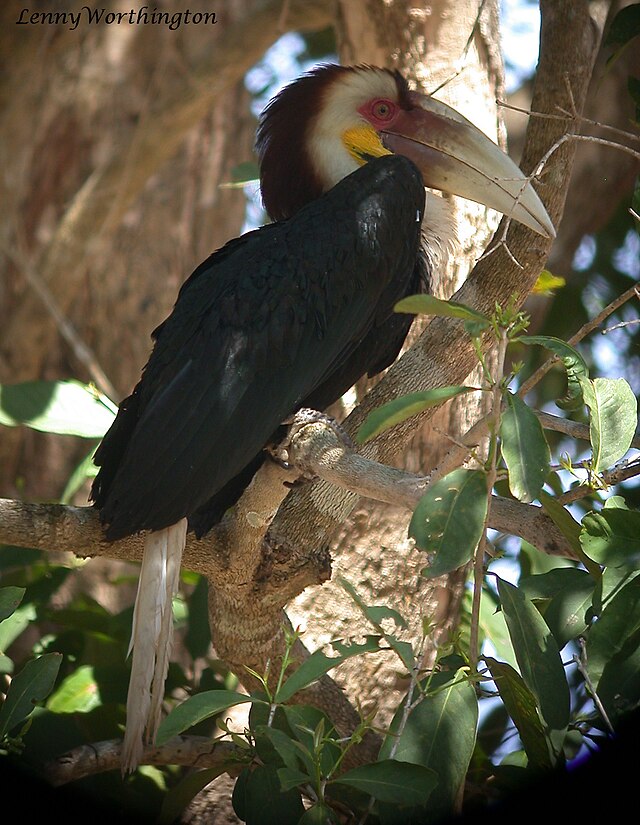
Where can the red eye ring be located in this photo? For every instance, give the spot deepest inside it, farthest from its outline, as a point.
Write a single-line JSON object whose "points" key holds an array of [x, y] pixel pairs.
{"points": [[382, 109]]}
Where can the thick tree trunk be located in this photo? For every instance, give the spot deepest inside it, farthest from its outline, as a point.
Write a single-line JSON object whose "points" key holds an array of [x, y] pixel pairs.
{"points": [[372, 549], [114, 141], [376, 32]]}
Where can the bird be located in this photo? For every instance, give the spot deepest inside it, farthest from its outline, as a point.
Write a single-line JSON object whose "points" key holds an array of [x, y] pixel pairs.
{"points": [[286, 316]]}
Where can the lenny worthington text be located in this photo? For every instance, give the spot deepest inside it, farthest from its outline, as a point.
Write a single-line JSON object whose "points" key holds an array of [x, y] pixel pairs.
{"points": [[135, 17]]}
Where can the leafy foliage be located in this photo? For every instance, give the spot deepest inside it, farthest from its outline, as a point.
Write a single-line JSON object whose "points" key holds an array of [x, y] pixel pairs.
{"points": [[290, 755]]}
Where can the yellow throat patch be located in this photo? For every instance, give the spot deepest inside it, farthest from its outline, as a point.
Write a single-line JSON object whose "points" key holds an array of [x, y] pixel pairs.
{"points": [[363, 143]]}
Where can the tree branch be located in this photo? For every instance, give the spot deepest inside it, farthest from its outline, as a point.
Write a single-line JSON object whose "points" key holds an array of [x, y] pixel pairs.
{"points": [[315, 449], [443, 355], [191, 751]]}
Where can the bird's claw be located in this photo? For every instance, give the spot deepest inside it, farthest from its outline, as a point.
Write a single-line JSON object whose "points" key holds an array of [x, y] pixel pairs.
{"points": [[306, 416], [298, 421]]}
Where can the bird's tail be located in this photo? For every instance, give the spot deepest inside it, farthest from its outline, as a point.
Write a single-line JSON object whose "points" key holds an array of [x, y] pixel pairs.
{"points": [[151, 638]]}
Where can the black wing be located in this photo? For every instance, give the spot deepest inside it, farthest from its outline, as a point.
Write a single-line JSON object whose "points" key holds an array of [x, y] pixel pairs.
{"points": [[257, 329]]}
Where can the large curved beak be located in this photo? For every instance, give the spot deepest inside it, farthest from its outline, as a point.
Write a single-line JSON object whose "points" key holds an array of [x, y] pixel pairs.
{"points": [[456, 157]]}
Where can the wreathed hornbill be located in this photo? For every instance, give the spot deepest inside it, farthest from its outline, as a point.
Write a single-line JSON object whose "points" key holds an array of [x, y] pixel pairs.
{"points": [[284, 317]]}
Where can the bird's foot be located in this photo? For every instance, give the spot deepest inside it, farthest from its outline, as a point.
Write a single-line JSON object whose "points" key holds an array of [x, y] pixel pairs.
{"points": [[281, 452]]}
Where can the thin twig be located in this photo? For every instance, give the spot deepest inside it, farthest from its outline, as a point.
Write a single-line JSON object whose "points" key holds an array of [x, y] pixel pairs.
{"points": [[585, 329], [494, 423], [566, 115], [465, 52], [609, 478], [581, 662]]}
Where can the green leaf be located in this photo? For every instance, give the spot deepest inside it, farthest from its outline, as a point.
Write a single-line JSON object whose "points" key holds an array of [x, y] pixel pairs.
{"points": [[78, 693], [562, 518], [266, 803], [449, 519], [401, 783], [548, 283], [393, 412], [612, 537], [15, 624], [494, 627], [430, 305], [440, 735], [313, 668], [618, 622], [246, 172], [179, 796], [574, 364], [624, 26], [522, 708], [292, 778], [613, 420], [31, 685], [619, 685], [196, 709], [569, 592], [524, 449], [85, 469], [10, 598], [318, 814], [378, 613], [537, 655], [63, 407], [308, 724], [283, 745]]}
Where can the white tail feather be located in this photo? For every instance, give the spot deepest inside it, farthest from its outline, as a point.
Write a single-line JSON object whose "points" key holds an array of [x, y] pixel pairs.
{"points": [[151, 637]]}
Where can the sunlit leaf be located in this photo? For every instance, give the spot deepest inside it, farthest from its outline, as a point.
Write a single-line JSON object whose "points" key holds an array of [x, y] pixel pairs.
{"points": [[449, 519], [537, 655], [562, 518], [32, 684], [78, 693], [574, 364], [439, 734], [613, 419], [548, 283], [522, 708], [524, 449], [310, 670], [568, 593], [618, 622], [401, 783], [430, 305], [63, 407], [393, 412], [612, 537], [196, 709]]}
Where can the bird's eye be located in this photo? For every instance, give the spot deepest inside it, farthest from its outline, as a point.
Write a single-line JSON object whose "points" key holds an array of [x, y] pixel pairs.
{"points": [[382, 109]]}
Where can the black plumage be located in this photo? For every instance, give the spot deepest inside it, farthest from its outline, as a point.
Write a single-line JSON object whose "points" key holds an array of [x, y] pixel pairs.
{"points": [[286, 316]]}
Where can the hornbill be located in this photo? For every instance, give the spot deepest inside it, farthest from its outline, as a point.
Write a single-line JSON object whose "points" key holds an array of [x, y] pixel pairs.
{"points": [[284, 317]]}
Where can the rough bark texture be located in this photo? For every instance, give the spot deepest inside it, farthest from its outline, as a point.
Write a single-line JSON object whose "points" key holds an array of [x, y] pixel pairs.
{"points": [[371, 548], [247, 607], [114, 140]]}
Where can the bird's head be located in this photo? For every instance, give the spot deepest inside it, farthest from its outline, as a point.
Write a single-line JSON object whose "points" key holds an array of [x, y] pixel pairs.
{"points": [[334, 119]]}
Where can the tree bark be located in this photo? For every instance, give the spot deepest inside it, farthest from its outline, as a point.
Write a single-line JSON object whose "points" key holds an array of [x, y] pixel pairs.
{"points": [[247, 620], [371, 548]]}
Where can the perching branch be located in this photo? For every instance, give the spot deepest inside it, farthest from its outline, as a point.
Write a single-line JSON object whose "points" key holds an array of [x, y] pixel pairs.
{"points": [[191, 751], [316, 449], [443, 355]]}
